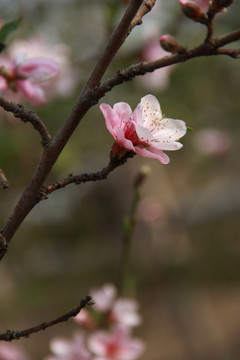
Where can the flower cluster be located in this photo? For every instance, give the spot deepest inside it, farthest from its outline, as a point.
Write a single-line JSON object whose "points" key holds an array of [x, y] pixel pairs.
{"points": [[145, 131], [109, 325], [25, 76]]}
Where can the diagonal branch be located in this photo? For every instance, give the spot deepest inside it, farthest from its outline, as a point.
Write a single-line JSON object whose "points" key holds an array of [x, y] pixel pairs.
{"points": [[146, 6], [86, 177], [10, 335], [27, 116], [205, 49], [115, 42], [29, 197], [88, 98]]}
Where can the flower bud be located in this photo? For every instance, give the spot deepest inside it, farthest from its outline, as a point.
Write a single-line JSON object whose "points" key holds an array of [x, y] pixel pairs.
{"points": [[169, 43], [219, 5], [193, 11]]}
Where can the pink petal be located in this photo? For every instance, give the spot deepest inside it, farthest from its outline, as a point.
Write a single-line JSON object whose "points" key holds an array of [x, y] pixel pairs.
{"points": [[104, 297], [38, 69], [123, 110], [3, 83], [32, 92], [125, 312], [153, 153], [121, 140], [111, 118], [131, 349]]}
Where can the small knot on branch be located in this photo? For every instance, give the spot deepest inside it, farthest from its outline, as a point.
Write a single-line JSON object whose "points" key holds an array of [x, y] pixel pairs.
{"points": [[3, 244], [88, 300], [12, 335]]}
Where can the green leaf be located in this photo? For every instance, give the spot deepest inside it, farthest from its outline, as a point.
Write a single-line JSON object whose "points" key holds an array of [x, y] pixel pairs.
{"points": [[189, 129], [8, 28]]}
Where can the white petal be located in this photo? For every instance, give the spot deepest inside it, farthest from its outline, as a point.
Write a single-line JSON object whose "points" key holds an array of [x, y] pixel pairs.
{"points": [[151, 112], [170, 130], [143, 133]]}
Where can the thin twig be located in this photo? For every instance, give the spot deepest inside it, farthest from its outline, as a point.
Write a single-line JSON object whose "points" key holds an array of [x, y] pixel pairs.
{"points": [[116, 40], [30, 196], [128, 230], [146, 6], [27, 116], [86, 100], [10, 335], [85, 177], [3, 180], [205, 49]]}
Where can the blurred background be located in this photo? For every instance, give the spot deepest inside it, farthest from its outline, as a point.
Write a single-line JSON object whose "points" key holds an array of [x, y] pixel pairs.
{"points": [[185, 259]]}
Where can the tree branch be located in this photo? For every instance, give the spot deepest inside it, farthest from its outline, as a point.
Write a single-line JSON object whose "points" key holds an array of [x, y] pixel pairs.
{"points": [[10, 335], [27, 116], [30, 196], [205, 49], [115, 42], [85, 177], [146, 6]]}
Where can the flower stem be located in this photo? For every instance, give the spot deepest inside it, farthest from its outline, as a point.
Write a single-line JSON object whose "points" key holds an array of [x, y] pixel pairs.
{"points": [[129, 224]]}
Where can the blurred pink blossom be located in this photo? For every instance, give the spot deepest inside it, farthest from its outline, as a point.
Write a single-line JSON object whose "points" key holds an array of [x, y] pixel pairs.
{"points": [[212, 142], [104, 297], [117, 345], [26, 76], [73, 349], [203, 4], [124, 312], [119, 310], [150, 210], [11, 352], [159, 79], [145, 131], [64, 83], [85, 319]]}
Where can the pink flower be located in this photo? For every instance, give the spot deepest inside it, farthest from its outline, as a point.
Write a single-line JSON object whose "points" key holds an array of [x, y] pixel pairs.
{"points": [[26, 76], [65, 81], [124, 312], [11, 352], [85, 319], [116, 345], [145, 131], [104, 297], [203, 4], [212, 142], [64, 349]]}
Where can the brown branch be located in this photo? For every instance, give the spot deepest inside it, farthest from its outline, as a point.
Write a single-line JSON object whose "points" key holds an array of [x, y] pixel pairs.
{"points": [[116, 40], [86, 177], [3, 180], [146, 6], [233, 53], [27, 116], [30, 196], [205, 49], [10, 335]]}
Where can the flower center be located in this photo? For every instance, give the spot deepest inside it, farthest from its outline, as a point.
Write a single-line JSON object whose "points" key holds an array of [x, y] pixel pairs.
{"points": [[131, 134]]}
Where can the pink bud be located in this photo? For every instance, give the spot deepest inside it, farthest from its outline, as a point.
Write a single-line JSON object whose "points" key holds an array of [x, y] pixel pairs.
{"points": [[169, 43], [193, 11], [219, 5]]}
